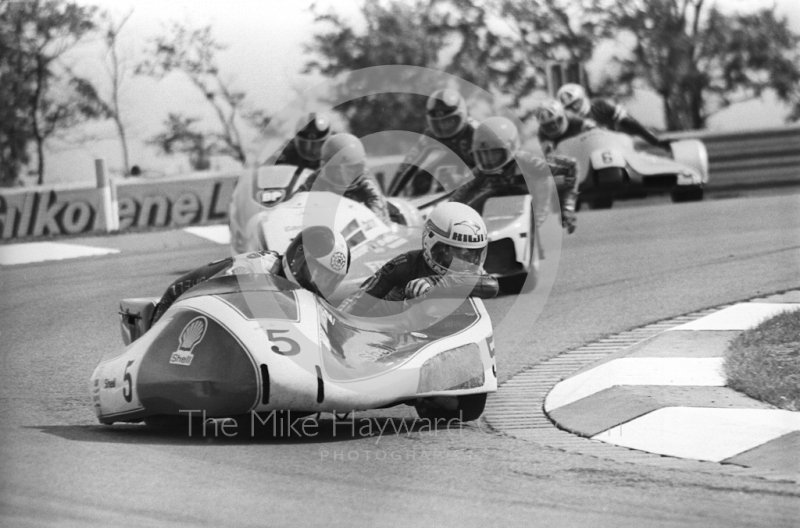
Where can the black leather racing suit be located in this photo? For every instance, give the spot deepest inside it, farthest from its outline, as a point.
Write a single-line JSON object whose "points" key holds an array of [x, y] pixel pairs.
{"points": [[290, 156], [389, 284], [364, 190], [528, 173], [256, 262], [613, 116], [460, 144], [575, 126]]}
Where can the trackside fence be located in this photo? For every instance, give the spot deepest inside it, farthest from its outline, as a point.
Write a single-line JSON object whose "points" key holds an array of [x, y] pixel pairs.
{"points": [[757, 158]]}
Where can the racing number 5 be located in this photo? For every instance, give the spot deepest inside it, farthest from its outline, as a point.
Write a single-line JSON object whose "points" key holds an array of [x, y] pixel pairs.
{"points": [[127, 392], [294, 347]]}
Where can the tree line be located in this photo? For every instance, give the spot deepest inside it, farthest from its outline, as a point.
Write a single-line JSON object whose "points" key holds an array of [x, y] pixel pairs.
{"points": [[697, 58]]}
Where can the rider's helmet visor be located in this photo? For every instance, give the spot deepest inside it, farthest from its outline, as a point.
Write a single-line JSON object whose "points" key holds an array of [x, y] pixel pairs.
{"points": [[457, 259], [310, 149], [491, 159], [574, 106], [553, 128], [445, 126]]}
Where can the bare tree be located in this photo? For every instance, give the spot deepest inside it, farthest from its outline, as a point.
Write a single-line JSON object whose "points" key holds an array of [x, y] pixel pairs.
{"points": [[117, 70], [193, 53], [700, 60]]}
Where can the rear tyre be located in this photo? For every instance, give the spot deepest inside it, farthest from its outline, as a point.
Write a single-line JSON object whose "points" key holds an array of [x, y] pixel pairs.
{"points": [[602, 202], [692, 194], [607, 181], [470, 407]]}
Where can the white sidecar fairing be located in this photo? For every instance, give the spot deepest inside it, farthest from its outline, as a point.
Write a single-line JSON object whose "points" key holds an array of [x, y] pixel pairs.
{"points": [[270, 192], [238, 344], [609, 163]]}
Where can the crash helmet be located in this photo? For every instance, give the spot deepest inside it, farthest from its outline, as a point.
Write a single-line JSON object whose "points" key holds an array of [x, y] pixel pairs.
{"points": [[446, 113], [343, 160], [574, 99], [317, 259], [454, 239], [311, 132], [552, 119], [494, 144]]}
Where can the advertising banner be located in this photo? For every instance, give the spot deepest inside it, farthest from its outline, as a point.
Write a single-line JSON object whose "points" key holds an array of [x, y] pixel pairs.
{"points": [[59, 210]]}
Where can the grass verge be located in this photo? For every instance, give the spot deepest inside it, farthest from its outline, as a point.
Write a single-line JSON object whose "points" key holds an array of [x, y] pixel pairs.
{"points": [[764, 362]]}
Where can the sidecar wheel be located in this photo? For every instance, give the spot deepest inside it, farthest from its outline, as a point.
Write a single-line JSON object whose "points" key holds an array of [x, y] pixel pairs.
{"points": [[692, 194], [603, 202], [470, 407]]}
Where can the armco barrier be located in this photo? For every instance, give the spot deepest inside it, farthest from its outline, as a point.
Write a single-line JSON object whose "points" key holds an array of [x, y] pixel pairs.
{"points": [[753, 158], [74, 209]]}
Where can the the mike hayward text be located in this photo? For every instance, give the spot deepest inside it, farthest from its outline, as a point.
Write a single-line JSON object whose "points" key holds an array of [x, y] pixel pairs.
{"points": [[288, 425]]}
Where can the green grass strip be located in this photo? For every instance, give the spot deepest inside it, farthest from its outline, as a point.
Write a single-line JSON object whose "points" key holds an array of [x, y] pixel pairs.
{"points": [[764, 362]]}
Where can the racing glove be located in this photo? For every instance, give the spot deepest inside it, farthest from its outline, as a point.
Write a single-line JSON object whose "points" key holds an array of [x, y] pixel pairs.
{"points": [[418, 287], [568, 217]]}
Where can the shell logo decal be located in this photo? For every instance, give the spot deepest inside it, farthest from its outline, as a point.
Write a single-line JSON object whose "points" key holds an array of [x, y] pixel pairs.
{"points": [[192, 334]]}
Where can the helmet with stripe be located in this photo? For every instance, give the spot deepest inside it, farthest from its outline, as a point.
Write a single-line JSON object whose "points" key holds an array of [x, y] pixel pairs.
{"points": [[574, 99], [454, 239]]}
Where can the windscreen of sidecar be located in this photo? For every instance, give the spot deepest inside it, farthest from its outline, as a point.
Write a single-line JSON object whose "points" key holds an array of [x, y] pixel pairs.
{"points": [[257, 295], [360, 347], [273, 184]]}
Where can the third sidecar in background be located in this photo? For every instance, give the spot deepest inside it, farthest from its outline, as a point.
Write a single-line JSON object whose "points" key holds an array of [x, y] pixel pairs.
{"points": [[611, 167]]}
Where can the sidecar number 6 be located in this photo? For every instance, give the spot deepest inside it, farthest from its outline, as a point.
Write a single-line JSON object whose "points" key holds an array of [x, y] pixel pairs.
{"points": [[607, 158]]}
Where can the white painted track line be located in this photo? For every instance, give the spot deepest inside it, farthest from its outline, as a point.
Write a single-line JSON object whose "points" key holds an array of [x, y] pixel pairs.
{"points": [[27, 253], [702, 433], [219, 234], [740, 316], [705, 372]]}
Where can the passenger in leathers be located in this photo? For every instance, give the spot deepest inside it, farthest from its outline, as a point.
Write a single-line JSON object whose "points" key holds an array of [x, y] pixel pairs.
{"points": [[317, 259], [454, 244], [503, 169], [344, 172], [605, 113], [448, 124], [556, 125]]}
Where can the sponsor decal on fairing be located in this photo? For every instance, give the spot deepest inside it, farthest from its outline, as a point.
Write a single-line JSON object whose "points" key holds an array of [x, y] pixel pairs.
{"points": [[192, 334]]}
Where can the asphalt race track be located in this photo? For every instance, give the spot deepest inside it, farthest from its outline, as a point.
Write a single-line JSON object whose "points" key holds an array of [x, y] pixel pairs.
{"points": [[622, 268]]}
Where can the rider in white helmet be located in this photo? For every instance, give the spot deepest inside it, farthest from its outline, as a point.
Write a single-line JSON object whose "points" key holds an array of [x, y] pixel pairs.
{"points": [[454, 244], [305, 149], [317, 260], [448, 125], [556, 125], [605, 113], [344, 172], [504, 169]]}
